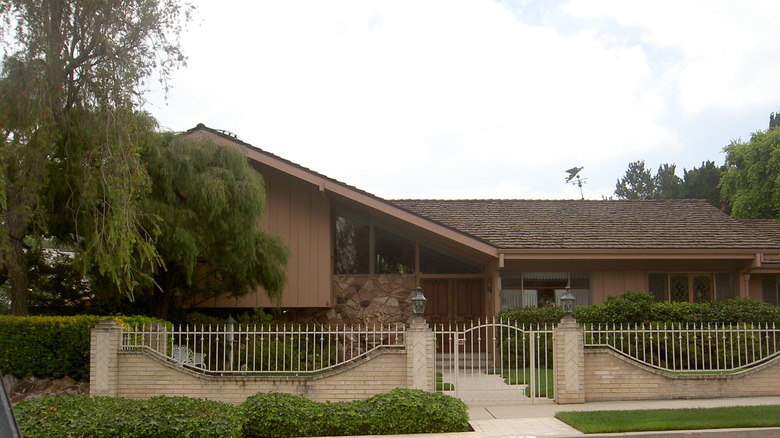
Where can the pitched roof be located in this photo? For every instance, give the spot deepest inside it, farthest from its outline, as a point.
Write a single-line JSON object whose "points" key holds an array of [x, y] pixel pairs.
{"points": [[583, 224], [769, 228]]}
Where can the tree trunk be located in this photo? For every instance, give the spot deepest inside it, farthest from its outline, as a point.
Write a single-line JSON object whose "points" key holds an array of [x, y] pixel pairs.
{"points": [[16, 220]]}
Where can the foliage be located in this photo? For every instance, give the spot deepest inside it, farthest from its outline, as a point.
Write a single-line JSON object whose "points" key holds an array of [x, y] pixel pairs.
{"points": [[173, 417], [672, 419], [70, 88], [751, 181], [638, 307], [702, 183], [197, 186], [697, 183], [637, 183], [400, 411], [51, 346], [532, 315]]}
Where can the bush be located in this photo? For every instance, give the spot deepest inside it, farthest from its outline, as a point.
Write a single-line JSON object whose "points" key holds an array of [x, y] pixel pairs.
{"points": [[280, 415], [406, 411], [97, 417], [400, 411], [532, 315], [51, 346], [638, 308]]}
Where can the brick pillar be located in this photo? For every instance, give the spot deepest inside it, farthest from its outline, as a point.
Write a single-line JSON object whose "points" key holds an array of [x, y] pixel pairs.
{"points": [[419, 356], [569, 362], [106, 338]]}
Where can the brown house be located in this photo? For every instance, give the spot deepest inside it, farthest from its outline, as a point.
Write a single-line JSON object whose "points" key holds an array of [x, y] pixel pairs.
{"points": [[358, 258]]}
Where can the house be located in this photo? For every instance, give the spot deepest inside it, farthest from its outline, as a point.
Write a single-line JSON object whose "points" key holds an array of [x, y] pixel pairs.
{"points": [[357, 258]]}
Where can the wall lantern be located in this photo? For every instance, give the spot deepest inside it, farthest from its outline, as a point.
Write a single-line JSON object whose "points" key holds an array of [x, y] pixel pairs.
{"points": [[418, 302], [230, 326], [567, 302]]}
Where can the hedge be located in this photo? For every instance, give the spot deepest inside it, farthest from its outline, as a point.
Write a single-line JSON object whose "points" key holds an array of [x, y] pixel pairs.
{"points": [[51, 346], [639, 307], [165, 417], [400, 411]]}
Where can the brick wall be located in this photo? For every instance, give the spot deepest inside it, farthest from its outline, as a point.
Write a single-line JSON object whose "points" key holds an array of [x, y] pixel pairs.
{"points": [[612, 377], [141, 375]]}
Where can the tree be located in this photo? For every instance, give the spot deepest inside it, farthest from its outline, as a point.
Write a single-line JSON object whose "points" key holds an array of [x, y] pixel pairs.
{"points": [[637, 183], [751, 182], [210, 203], [70, 133], [666, 183], [702, 183]]}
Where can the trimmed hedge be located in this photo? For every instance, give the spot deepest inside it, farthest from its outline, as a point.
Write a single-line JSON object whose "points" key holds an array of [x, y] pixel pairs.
{"points": [[400, 411], [639, 307], [165, 417], [51, 346]]}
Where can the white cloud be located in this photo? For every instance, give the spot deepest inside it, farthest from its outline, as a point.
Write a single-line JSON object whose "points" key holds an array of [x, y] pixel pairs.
{"points": [[458, 98]]}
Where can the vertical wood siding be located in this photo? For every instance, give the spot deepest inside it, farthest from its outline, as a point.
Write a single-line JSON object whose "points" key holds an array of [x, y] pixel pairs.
{"points": [[299, 214]]}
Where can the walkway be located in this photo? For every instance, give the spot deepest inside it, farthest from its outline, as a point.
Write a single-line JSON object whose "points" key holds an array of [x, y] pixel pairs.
{"points": [[523, 419]]}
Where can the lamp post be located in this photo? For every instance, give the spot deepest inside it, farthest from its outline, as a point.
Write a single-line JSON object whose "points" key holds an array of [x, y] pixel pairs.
{"points": [[567, 302], [418, 303], [230, 324]]}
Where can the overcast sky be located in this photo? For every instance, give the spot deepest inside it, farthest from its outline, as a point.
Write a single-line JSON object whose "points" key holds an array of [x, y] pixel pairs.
{"points": [[465, 99]]}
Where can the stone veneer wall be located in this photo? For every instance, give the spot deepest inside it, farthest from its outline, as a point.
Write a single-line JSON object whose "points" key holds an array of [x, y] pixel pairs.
{"points": [[371, 299], [610, 376], [140, 375]]}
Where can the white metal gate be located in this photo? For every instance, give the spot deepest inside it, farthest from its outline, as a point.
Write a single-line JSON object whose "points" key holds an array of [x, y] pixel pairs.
{"points": [[495, 361]]}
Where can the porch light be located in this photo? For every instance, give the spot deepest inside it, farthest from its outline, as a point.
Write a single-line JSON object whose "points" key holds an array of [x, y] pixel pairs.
{"points": [[230, 325], [418, 302], [567, 302]]}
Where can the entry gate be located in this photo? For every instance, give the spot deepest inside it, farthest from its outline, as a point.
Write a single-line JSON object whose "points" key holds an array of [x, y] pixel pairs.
{"points": [[495, 361]]}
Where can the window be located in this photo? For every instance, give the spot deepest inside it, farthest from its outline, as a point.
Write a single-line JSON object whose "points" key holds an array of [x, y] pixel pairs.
{"points": [[363, 247], [698, 287], [434, 261], [770, 286], [541, 289]]}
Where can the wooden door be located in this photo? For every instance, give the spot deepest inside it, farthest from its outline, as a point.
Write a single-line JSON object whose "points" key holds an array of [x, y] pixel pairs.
{"points": [[454, 299]]}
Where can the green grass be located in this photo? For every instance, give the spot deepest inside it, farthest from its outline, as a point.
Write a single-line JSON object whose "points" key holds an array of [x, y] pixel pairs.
{"points": [[544, 388], [672, 419], [441, 385]]}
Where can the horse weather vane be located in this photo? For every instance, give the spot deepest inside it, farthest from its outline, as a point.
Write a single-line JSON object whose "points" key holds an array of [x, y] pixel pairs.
{"points": [[574, 172]]}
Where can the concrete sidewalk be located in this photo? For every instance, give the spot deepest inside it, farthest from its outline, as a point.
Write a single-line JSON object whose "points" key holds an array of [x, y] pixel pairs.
{"points": [[523, 419]]}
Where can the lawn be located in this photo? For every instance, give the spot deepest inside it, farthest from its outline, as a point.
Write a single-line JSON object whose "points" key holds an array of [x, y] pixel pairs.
{"points": [[545, 383], [672, 419]]}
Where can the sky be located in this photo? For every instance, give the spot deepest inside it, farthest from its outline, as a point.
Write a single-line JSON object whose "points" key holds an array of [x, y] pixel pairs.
{"points": [[479, 99]]}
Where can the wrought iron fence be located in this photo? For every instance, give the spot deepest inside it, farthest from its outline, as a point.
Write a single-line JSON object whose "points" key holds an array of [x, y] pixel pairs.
{"points": [[264, 349], [716, 348], [495, 359]]}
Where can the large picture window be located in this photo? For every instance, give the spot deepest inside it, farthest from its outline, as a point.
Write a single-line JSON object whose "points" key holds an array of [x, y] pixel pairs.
{"points": [[696, 287], [363, 247], [543, 289]]}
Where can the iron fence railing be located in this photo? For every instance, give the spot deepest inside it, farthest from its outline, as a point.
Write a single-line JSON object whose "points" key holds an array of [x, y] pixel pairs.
{"points": [[264, 349], [521, 356], [716, 348]]}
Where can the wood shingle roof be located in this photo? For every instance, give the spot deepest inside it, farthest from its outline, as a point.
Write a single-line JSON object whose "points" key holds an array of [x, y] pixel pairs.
{"points": [[584, 224]]}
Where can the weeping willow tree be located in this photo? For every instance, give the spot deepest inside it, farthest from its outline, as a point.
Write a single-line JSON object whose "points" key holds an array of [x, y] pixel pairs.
{"points": [[209, 203], [71, 85]]}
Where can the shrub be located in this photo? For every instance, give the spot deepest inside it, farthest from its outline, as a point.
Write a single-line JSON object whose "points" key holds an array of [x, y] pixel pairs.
{"points": [[638, 308], [400, 411], [532, 315], [97, 417], [406, 411], [280, 415], [51, 346]]}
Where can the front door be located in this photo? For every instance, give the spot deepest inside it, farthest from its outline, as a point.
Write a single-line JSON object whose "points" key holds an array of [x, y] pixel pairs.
{"points": [[454, 299]]}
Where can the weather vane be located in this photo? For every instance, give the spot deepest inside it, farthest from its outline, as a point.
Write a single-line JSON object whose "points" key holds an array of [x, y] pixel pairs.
{"points": [[574, 173]]}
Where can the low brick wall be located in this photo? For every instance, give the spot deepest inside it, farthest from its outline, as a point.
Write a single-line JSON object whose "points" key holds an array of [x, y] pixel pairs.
{"points": [[610, 376], [142, 375]]}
